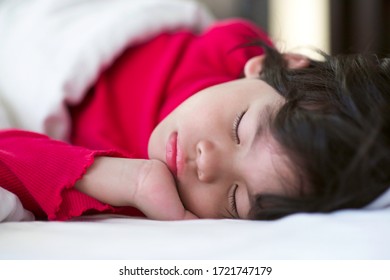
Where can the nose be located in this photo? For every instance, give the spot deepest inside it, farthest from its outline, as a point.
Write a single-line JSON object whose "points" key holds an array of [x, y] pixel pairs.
{"points": [[208, 161]]}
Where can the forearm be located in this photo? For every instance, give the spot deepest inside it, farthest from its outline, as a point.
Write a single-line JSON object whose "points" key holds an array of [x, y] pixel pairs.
{"points": [[147, 185], [112, 180], [42, 173]]}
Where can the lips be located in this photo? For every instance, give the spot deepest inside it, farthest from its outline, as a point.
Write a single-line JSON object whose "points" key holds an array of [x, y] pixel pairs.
{"points": [[171, 153]]}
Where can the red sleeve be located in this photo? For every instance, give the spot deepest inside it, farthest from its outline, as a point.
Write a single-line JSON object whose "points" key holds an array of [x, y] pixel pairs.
{"points": [[42, 173]]}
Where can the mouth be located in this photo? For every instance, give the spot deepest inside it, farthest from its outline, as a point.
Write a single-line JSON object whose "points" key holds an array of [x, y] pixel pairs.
{"points": [[171, 153]]}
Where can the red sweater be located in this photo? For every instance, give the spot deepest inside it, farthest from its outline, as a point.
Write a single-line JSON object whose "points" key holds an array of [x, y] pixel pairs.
{"points": [[119, 113]]}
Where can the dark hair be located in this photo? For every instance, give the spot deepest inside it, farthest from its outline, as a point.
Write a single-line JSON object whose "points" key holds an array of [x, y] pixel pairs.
{"points": [[335, 128]]}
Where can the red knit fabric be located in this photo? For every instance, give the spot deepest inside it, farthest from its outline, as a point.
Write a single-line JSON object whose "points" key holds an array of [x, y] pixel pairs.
{"points": [[118, 115], [42, 172]]}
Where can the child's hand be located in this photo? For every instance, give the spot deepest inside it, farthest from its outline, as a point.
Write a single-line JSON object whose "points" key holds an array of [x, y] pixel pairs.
{"points": [[145, 184], [156, 194]]}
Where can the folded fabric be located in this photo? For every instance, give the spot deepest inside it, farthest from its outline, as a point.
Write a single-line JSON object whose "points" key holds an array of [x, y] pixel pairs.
{"points": [[11, 209]]}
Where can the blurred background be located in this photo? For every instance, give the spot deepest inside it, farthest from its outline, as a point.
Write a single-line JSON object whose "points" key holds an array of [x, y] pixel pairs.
{"points": [[334, 26]]}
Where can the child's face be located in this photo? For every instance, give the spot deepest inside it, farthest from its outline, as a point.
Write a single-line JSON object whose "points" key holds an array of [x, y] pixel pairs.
{"points": [[217, 170]]}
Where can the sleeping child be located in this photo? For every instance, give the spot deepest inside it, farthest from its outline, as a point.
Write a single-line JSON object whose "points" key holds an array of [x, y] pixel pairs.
{"points": [[216, 124]]}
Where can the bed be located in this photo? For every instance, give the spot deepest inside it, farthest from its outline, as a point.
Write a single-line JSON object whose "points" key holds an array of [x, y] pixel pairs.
{"points": [[347, 234]]}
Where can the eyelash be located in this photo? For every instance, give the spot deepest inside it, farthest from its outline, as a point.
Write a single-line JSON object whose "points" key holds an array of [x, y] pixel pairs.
{"points": [[235, 126], [232, 200]]}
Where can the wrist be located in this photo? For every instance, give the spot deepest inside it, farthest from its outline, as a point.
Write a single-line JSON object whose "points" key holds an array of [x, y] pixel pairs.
{"points": [[112, 180]]}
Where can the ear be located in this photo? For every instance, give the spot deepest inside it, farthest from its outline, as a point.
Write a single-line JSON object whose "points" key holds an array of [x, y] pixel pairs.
{"points": [[254, 66], [296, 61]]}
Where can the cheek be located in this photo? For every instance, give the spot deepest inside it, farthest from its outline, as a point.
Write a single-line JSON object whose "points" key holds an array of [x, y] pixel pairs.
{"points": [[191, 198], [198, 201], [156, 144], [207, 101], [243, 202]]}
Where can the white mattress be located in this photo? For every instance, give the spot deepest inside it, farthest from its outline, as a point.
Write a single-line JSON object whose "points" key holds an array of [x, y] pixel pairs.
{"points": [[342, 235]]}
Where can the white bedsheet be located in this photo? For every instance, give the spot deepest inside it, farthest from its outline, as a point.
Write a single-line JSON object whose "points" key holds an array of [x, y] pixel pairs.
{"points": [[342, 235], [347, 234]]}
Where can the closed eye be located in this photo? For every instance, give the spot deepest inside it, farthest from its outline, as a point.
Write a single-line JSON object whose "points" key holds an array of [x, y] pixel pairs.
{"points": [[233, 201], [236, 125]]}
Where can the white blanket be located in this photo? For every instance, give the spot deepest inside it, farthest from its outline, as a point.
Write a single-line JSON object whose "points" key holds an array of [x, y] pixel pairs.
{"points": [[51, 51]]}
